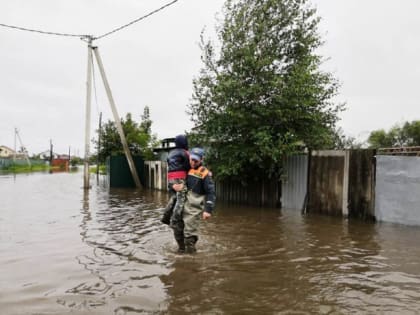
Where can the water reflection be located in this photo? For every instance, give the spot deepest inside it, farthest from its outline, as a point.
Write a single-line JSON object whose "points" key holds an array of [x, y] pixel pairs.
{"points": [[124, 262], [276, 262], [64, 250]]}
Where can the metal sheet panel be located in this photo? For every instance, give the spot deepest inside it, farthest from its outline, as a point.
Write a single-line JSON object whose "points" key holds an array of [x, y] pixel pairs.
{"points": [[294, 182], [398, 189], [119, 174]]}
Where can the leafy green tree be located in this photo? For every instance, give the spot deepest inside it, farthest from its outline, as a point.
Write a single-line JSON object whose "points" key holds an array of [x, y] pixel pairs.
{"points": [[75, 161], [411, 133], [139, 138], [262, 95], [407, 134], [342, 142]]}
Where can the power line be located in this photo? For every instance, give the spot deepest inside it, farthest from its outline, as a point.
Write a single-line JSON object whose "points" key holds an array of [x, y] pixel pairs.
{"points": [[84, 36], [135, 21], [41, 32]]}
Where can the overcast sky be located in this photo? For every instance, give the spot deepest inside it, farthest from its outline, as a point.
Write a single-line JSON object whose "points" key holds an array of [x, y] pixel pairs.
{"points": [[372, 45]]}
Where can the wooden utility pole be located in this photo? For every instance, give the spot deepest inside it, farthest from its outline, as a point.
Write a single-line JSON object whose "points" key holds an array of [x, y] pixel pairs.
{"points": [[87, 114], [117, 119], [14, 153], [99, 143], [51, 152], [24, 151]]}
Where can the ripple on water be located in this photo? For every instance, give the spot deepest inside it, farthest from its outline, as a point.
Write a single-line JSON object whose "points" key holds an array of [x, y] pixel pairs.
{"points": [[67, 251]]}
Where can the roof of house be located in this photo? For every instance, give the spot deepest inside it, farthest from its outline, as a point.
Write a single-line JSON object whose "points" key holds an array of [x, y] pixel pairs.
{"points": [[6, 147]]}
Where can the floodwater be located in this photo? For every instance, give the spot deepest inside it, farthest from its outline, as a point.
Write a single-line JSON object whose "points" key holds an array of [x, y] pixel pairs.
{"points": [[104, 251]]}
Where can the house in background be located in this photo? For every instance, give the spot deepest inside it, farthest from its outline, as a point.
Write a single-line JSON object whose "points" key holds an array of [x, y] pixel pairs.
{"points": [[6, 152], [45, 155], [162, 152]]}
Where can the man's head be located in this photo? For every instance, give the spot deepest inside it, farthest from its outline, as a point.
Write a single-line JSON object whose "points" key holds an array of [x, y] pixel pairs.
{"points": [[181, 142], [196, 157]]}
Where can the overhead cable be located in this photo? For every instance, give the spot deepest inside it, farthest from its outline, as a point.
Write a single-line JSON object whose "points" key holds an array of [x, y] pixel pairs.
{"points": [[84, 36], [42, 32], [136, 20]]}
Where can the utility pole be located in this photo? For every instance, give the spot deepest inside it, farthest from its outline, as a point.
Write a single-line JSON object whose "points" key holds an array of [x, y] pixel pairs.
{"points": [[114, 112], [99, 143], [51, 152], [24, 150], [87, 114], [14, 153], [117, 120]]}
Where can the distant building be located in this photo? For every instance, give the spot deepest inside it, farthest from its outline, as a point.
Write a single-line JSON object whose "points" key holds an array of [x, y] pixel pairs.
{"points": [[166, 145], [62, 164], [6, 152], [45, 155], [63, 157]]}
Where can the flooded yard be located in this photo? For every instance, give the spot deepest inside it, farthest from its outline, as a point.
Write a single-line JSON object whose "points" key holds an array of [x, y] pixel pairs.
{"points": [[104, 251]]}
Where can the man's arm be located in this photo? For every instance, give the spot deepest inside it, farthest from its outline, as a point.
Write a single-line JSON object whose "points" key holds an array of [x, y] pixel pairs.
{"points": [[210, 196]]}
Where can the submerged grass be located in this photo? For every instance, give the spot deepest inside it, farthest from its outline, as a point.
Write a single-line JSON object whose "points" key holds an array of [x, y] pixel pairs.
{"points": [[17, 169], [26, 168]]}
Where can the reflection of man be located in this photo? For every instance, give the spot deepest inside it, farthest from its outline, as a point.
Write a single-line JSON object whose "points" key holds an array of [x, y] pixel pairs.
{"points": [[200, 202]]}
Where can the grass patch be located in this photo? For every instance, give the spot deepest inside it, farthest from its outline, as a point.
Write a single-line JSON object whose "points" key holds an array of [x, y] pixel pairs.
{"points": [[26, 168], [102, 169]]}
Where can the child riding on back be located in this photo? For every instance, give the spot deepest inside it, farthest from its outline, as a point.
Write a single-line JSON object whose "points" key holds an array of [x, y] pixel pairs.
{"points": [[178, 167]]}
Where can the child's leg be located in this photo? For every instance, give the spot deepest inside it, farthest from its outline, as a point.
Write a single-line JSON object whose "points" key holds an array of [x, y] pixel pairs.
{"points": [[167, 212], [179, 206]]}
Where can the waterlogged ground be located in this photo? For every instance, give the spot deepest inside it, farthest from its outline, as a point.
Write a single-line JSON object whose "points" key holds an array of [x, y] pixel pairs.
{"points": [[64, 251]]}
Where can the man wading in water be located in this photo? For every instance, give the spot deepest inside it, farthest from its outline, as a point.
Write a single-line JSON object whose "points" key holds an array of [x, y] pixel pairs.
{"points": [[199, 203], [178, 166]]}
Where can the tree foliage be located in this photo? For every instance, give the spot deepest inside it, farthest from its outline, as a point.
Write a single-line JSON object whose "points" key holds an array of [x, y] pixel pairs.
{"points": [[343, 142], [262, 95], [407, 134], [139, 137]]}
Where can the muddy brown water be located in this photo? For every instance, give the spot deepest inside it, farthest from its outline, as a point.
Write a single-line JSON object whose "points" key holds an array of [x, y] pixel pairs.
{"points": [[64, 251]]}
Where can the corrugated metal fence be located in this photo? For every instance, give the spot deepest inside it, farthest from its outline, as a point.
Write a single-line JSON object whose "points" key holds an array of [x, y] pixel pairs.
{"points": [[398, 189], [294, 182], [340, 183], [256, 193]]}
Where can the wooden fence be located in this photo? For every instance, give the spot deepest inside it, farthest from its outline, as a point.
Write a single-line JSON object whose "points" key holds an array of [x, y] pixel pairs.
{"points": [[327, 182], [362, 178], [256, 193], [342, 183], [339, 183], [155, 173], [266, 193]]}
